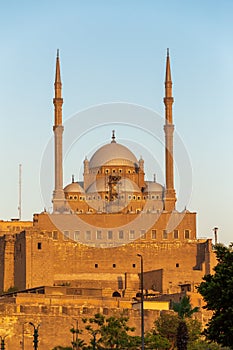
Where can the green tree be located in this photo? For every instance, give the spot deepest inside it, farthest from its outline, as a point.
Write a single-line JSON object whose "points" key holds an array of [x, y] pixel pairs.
{"points": [[153, 340], [204, 345], [76, 342], [194, 329], [166, 326], [184, 308], [93, 326], [182, 336], [217, 291], [114, 333]]}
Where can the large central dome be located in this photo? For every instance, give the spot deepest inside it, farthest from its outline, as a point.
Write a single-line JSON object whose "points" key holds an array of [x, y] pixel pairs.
{"points": [[113, 154]]}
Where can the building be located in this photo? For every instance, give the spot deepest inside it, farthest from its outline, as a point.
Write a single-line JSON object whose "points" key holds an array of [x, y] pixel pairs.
{"points": [[101, 223]]}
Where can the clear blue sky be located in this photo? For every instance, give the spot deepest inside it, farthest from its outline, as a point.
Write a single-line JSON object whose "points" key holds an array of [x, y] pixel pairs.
{"points": [[115, 51]]}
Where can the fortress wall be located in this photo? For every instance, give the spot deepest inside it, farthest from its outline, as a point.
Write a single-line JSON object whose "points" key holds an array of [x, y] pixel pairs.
{"points": [[55, 323]]}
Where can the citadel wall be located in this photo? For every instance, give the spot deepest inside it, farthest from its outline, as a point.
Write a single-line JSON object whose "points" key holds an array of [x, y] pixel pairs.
{"points": [[38, 257]]}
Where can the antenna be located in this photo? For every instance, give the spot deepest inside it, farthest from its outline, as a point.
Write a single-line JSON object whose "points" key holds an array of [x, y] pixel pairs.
{"points": [[20, 191]]}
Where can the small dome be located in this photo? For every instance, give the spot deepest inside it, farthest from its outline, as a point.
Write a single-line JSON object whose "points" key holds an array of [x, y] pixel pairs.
{"points": [[152, 186], [97, 186], [113, 154], [73, 187]]}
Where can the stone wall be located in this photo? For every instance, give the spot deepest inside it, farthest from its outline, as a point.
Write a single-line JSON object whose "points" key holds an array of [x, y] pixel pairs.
{"points": [[55, 321]]}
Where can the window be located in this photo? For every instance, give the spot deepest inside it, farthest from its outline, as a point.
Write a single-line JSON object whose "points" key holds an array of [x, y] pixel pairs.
{"points": [[109, 234], [121, 234], [96, 266], [134, 197], [114, 265], [55, 235], [177, 265], [76, 235], [134, 265], [186, 234], [143, 234], [153, 234], [99, 234], [129, 197], [39, 245], [176, 234], [139, 197], [165, 235], [66, 234], [131, 234], [88, 235], [106, 171]]}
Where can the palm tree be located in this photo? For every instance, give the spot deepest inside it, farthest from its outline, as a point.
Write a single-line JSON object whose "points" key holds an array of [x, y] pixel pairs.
{"points": [[184, 308]]}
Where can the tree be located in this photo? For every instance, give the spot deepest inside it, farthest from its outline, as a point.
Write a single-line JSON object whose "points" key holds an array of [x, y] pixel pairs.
{"points": [[76, 342], [93, 326], [114, 333], [204, 345], [184, 308], [194, 329], [217, 291], [153, 340], [167, 326], [182, 336]]}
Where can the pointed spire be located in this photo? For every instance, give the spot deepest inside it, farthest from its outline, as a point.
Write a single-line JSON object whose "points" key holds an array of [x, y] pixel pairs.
{"points": [[58, 101], [168, 69], [113, 137], [168, 100], [58, 74]]}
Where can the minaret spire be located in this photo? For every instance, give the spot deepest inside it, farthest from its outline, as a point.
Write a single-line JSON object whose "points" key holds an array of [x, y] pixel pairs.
{"points": [[58, 100], [58, 194], [170, 194]]}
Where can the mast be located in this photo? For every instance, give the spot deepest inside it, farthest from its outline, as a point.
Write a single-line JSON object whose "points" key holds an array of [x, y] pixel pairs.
{"points": [[20, 192]]}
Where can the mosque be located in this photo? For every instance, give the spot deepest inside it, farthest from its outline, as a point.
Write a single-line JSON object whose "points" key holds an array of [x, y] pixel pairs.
{"points": [[103, 223], [106, 231]]}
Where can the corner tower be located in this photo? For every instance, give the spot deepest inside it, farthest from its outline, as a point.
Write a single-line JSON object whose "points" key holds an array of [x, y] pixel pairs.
{"points": [[58, 194], [170, 194]]}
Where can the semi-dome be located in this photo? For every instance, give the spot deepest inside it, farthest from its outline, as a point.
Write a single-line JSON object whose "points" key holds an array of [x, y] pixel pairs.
{"points": [[123, 185], [152, 186], [113, 154], [74, 187]]}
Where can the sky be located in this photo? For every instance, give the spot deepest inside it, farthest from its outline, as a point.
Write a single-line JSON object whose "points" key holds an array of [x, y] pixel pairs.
{"points": [[111, 52]]}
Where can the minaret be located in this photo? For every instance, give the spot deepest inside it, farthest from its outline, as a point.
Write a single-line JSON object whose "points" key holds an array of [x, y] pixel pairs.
{"points": [[58, 194], [170, 194]]}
